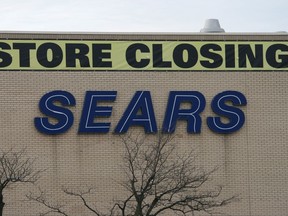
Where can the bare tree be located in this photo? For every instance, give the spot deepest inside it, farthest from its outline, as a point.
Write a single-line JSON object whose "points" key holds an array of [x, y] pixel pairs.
{"points": [[15, 167], [160, 181]]}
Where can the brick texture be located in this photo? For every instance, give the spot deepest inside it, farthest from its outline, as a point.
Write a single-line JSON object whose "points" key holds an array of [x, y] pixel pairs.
{"points": [[253, 161]]}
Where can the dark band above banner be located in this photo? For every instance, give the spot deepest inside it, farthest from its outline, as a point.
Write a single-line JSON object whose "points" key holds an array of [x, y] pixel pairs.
{"points": [[81, 55]]}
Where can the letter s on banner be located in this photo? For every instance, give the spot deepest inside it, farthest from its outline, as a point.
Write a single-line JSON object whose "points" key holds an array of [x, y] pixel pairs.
{"points": [[235, 115], [63, 115]]}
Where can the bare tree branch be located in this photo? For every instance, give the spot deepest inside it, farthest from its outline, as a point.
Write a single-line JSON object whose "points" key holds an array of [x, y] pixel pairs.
{"points": [[42, 199], [16, 167], [81, 195]]}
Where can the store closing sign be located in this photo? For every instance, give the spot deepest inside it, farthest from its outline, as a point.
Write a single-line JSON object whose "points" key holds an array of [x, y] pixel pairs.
{"points": [[89, 55]]}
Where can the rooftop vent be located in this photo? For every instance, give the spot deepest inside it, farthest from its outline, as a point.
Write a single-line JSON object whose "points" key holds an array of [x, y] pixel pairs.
{"points": [[212, 26]]}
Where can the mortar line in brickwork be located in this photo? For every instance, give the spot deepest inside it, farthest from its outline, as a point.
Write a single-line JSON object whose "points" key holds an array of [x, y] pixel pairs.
{"points": [[247, 143]]}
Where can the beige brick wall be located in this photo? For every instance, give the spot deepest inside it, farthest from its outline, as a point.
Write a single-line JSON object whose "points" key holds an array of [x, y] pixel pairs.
{"points": [[253, 161]]}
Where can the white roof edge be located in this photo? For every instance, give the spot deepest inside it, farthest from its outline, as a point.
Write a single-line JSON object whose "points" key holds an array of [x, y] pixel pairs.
{"points": [[143, 33]]}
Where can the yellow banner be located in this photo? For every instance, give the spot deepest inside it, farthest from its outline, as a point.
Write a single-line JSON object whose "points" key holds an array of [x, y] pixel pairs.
{"points": [[79, 55]]}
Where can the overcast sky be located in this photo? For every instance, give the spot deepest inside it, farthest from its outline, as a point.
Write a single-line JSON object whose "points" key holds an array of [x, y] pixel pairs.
{"points": [[142, 15]]}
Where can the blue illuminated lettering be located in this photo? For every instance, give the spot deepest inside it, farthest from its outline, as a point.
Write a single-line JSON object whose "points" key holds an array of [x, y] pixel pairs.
{"points": [[235, 116], [63, 116], [139, 112], [181, 105], [191, 115], [91, 110]]}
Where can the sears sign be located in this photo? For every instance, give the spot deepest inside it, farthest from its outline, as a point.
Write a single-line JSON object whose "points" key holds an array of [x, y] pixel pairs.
{"points": [[140, 112]]}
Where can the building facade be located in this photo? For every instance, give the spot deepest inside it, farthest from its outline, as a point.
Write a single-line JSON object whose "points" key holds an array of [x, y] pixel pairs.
{"points": [[78, 144]]}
